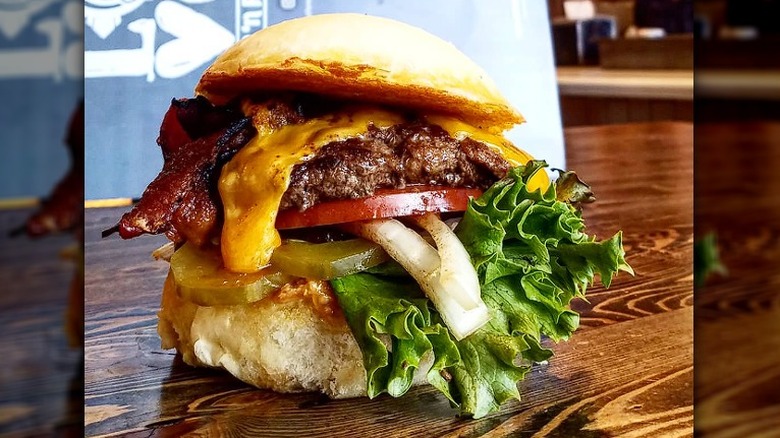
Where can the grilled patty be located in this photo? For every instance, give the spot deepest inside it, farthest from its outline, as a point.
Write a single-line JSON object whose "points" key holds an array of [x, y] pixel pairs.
{"points": [[410, 153], [197, 139]]}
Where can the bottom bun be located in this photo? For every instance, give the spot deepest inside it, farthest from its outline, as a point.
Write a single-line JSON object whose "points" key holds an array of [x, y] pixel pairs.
{"points": [[282, 345]]}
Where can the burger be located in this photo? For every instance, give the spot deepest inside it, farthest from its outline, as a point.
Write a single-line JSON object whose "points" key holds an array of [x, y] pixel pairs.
{"points": [[346, 217]]}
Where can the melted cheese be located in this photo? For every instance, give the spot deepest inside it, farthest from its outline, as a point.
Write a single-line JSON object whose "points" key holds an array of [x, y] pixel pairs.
{"points": [[517, 157], [252, 183]]}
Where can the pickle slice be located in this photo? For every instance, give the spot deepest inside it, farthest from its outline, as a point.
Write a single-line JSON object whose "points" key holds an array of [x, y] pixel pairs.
{"points": [[324, 261], [202, 279]]}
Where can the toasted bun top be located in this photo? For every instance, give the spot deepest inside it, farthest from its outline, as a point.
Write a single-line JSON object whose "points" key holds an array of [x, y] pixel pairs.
{"points": [[360, 57]]}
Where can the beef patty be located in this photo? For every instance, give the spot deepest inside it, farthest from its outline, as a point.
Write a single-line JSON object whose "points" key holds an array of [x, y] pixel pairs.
{"points": [[197, 139], [394, 157]]}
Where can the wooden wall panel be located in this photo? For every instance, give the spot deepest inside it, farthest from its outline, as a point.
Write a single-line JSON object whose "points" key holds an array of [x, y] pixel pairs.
{"points": [[585, 111]]}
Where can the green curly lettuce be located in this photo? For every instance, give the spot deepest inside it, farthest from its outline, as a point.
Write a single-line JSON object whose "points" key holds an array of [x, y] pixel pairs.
{"points": [[394, 326], [706, 259], [532, 258]]}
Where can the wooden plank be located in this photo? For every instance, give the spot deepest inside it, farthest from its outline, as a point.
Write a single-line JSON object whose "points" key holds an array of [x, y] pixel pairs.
{"points": [[672, 52], [738, 315], [635, 84], [610, 380], [627, 371], [18, 203], [110, 202], [591, 111], [43, 374]]}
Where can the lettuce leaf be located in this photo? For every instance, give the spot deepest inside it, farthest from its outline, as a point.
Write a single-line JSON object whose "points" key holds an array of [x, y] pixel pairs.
{"points": [[532, 257], [394, 326], [706, 259]]}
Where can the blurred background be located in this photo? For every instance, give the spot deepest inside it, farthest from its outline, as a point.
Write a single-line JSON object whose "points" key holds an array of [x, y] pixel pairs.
{"points": [[41, 209], [562, 63], [621, 61], [632, 60], [737, 217], [41, 84], [141, 54]]}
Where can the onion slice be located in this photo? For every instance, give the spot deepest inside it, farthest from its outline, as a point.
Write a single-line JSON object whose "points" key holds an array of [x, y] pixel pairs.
{"points": [[165, 252], [457, 274], [461, 307]]}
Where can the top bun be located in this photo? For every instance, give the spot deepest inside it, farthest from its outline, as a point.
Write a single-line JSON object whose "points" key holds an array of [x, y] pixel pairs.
{"points": [[360, 57]]}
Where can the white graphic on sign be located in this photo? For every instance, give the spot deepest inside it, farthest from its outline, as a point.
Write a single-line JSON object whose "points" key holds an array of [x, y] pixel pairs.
{"points": [[198, 39], [73, 16], [251, 15], [56, 58], [104, 16], [15, 15], [125, 62], [42, 61]]}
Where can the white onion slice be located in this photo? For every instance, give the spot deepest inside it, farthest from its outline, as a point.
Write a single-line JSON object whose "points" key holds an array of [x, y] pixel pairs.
{"points": [[457, 305], [457, 274], [165, 252]]}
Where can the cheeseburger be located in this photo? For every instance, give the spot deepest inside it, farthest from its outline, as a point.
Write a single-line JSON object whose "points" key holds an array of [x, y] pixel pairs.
{"points": [[345, 216]]}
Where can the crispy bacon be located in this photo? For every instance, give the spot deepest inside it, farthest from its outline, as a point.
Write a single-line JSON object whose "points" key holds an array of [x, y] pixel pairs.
{"points": [[177, 202], [63, 209], [197, 216], [190, 119], [196, 139], [172, 134]]}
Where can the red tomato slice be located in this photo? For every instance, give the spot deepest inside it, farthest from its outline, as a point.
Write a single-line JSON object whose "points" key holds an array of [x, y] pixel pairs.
{"points": [[385, 203]]}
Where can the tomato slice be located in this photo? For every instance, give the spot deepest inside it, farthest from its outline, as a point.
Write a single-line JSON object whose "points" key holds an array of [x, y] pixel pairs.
{"points": [[412, 200]]}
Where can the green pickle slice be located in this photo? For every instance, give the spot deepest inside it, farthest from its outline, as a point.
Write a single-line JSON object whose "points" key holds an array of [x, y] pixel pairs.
{"points": [[201, 277], [324, 261]]}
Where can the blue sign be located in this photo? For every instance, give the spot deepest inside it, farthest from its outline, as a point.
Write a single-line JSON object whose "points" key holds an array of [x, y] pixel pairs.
{"points": [[41, 83], [139, 54]]}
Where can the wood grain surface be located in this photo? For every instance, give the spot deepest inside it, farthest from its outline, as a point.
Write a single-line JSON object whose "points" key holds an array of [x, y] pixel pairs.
{"points": [[738, 315], [42, 373], [628, 371]]}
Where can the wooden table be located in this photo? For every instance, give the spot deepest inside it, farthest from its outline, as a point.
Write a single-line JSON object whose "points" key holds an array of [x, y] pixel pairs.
{"points": [[42, 373], [737, 328], [629, 369]]}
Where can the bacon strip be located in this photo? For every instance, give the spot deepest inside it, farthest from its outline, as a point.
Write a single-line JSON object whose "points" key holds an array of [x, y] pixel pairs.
{"points": [[196, 139], [179, 195], [190, 119], [63, 209]]}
